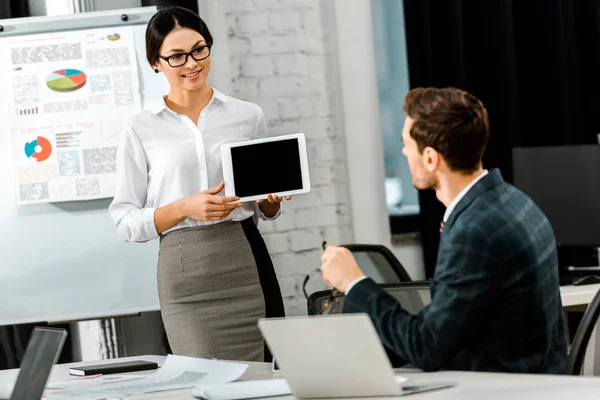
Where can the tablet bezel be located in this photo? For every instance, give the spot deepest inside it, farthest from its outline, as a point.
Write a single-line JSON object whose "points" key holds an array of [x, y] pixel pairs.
{"points": [[228, 166]]}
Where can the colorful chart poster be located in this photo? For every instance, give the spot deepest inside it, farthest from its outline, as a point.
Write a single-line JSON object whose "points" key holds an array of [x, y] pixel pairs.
{"points": [[70, 93]]}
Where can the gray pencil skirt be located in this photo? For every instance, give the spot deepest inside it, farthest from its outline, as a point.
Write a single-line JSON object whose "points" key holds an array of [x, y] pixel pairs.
{"points": [[214, 283]]}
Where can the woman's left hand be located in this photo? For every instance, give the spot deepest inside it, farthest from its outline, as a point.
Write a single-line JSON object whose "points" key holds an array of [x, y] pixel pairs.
{"points": [[271, 204]]}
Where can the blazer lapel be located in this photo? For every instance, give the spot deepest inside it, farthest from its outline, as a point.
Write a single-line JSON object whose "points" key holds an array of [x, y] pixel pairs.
{"points": [[492, 179]]}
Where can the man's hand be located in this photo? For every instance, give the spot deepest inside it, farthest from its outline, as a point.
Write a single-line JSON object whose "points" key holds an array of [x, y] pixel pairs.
{"points": [[339, 268]]}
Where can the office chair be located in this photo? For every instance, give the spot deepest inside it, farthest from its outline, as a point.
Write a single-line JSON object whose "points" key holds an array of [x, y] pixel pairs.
{"points": [[412, 296], [587, 329], [378, 263]]}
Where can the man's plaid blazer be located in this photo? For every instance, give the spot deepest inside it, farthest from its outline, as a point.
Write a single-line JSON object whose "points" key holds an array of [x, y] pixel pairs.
{"points": [[495, 294]]}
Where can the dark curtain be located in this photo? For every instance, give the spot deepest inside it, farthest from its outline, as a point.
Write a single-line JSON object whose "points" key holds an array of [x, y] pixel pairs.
{"points": [[533, 63], [14, 9]]}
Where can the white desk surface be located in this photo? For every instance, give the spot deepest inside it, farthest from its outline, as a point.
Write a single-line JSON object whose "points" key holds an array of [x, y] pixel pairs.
{"points": [[578, 295], [470, 385]]}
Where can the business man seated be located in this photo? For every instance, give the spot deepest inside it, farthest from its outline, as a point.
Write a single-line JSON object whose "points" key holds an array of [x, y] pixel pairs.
{"points": [[495, 294]]}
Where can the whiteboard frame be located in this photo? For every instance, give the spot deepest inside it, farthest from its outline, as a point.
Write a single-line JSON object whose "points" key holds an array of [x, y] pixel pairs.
{"points": [[72, 22]]}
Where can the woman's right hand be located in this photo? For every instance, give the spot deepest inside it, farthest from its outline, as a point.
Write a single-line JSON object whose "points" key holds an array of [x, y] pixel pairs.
{"points": [[207, 206]]}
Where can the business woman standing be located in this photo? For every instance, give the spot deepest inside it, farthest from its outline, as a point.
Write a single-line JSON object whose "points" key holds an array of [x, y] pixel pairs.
{"points": [[215, 276]]}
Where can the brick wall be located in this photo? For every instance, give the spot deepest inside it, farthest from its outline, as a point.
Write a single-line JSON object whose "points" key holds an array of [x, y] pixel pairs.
{"points": [[283, 58]]}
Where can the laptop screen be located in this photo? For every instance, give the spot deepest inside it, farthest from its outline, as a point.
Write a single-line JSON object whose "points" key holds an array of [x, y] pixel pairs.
{"points": [[42, 352]]}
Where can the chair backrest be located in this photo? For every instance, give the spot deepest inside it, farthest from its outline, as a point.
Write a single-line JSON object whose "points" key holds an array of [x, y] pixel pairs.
{"points": [[412, 296], [581, 349], [378, 263]]}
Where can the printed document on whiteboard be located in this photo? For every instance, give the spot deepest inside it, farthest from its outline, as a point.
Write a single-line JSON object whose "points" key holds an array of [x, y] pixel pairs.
{"points": [[68, 95]]}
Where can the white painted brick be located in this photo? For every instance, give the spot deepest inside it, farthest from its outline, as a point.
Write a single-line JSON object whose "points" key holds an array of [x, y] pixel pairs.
{"points": [[284, 58], [245, 88], [253, 24], [270, 109], [235, 6], [321, 175], [298, 264], [307, 200], [295, 307], [328, 216], [315, 64], [284, 22], [285, 44], [311, 22], [277, 243], [322, 107], [278, 86], [287, 219], [269, 4], [292, 64], [293, 108], [313, 128], [301, 240], [231, 21], [235, 67], [266, 227], [340, 172], [290, 287], [325, 151], [307, 218], [337, 235], [238, 46], [332, 194], [339, 147], [289, 110], [258, 66], [285, 4]]}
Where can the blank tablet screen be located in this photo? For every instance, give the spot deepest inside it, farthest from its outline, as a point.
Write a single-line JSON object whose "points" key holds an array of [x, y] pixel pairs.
{"points": [[265, 168]]}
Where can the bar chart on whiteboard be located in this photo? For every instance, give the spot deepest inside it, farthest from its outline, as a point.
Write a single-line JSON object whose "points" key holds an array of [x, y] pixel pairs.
{"points": [[69, 94]]}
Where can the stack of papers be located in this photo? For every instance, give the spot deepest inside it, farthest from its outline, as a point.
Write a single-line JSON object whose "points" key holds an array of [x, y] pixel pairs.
{"points": [[177, 372]]}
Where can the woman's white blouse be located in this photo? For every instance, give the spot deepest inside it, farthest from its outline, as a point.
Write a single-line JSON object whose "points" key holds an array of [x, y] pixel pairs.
{"points": [[163, 157]]}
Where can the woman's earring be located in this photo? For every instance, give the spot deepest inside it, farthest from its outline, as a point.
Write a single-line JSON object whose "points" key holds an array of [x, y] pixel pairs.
{"points": [[156, 70]]}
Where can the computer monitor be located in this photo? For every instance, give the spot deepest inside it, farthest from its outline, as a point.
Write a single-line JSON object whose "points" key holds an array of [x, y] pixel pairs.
{"points": [[564, 181]]}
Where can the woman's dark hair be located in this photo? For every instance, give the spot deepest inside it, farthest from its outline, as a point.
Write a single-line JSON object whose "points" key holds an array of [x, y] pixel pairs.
{"points": [[164, 21], [453, 122]]}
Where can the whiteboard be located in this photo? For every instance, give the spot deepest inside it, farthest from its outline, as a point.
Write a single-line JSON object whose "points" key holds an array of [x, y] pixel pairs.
{"points": [[64, 261]]}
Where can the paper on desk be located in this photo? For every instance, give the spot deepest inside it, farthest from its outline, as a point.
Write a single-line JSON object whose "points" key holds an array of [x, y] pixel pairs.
{"points": [[99, 379], [177, 372], [242, 390]]}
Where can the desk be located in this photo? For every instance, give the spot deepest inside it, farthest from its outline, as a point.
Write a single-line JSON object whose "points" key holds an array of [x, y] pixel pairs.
{"points": [[578, 295], [577, 298], [470, 385]]}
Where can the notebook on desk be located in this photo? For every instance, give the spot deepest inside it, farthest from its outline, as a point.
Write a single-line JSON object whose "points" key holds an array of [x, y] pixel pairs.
{"points": [[42, 353]]}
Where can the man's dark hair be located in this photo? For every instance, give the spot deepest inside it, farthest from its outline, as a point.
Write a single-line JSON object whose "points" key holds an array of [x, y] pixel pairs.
{"points": [[164, 21], [451, 121]]}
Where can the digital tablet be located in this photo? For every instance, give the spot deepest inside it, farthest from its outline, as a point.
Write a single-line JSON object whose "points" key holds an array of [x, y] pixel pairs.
{"points": [[255, 168]]}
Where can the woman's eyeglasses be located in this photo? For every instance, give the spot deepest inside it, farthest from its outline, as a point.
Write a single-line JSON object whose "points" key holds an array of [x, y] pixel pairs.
{"points": [[180, 59]]}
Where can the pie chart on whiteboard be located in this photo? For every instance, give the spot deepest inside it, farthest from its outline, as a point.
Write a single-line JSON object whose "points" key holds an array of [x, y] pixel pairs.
{"points": [[39, 148], [66, 80]]}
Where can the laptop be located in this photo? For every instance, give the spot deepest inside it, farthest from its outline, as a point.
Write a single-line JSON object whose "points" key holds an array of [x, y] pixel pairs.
{"points": [[336, 355], [43, 350]]}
